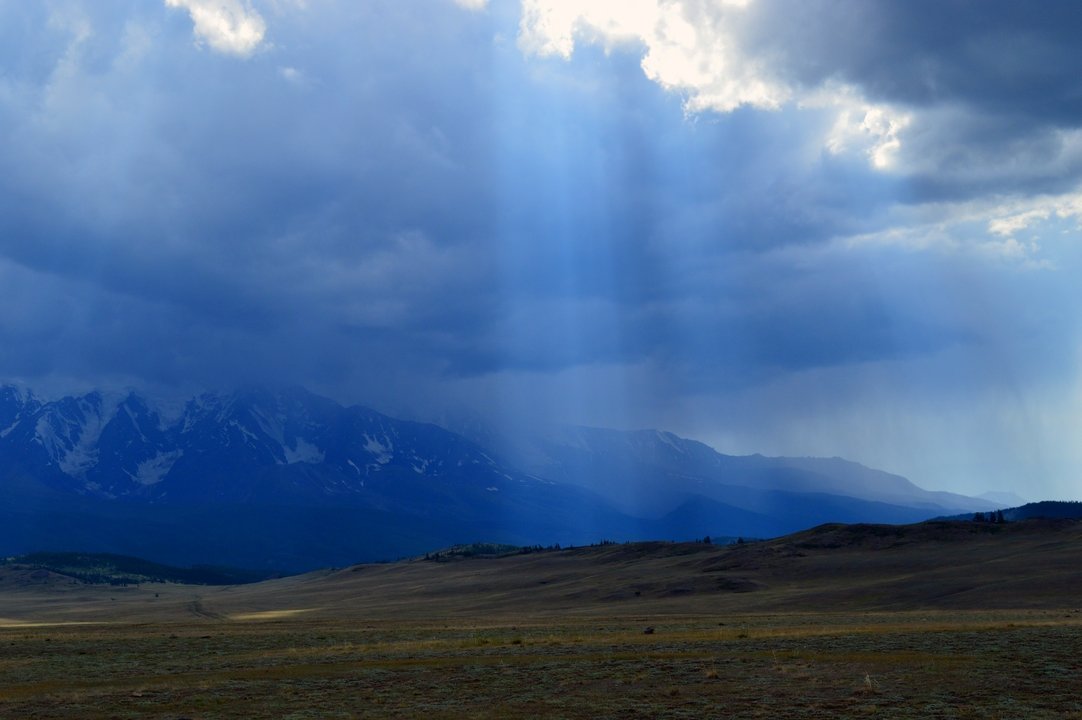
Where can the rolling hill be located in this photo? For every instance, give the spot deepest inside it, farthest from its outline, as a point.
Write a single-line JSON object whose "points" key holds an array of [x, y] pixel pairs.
{"points": [[943, 565]]}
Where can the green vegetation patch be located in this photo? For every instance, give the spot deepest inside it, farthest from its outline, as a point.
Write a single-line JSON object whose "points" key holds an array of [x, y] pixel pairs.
{"points": [[108, 569]]}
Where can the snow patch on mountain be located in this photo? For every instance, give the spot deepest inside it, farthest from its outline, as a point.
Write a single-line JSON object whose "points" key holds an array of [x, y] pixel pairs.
{"points": [[251, 436], [72, 440], [383, 453], [196, 409], [303, 452], [154, 470], [135, 422], [7, 431]]}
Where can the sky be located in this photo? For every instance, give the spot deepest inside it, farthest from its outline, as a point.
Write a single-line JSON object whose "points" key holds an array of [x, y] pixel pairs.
{"points": [[826, 227]]}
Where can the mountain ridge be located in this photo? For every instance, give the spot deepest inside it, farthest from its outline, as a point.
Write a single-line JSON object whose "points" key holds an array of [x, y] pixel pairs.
{"points": [[644, 471], [282, 478]]}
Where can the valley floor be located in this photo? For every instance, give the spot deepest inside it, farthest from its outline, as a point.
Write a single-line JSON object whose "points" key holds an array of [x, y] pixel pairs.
{"points": [[947, 620], [911, 664]]}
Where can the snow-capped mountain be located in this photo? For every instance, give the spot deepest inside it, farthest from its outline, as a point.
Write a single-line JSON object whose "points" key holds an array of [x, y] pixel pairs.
{"points": [[287, 479], [15, 404], [279, 478], [227, 446]]}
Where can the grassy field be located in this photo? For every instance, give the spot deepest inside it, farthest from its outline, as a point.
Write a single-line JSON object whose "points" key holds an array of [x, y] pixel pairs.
{"points": [[563, 635], [949, 665]]}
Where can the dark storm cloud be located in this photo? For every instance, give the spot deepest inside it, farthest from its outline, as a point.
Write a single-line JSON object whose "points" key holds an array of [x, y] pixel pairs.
{"points": [[298, 192], [412, 195], [993, 85], [1002, 57]]}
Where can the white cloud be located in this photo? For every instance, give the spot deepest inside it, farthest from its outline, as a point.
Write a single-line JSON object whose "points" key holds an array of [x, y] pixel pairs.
{"points": [[1022, 232], [695, 49], [688, 49], [472, 4], [874, 129], [696, 53], [1011, 224], [291, 74], [550, 27], [228, 26], [1035, 211]]}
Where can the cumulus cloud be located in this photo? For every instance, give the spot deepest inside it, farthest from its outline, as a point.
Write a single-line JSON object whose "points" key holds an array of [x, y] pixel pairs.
{"points": [[962, 97], [1011, 224], [873, 129], [228, 26], [1029, 229], [686, 47], [699, 51]]}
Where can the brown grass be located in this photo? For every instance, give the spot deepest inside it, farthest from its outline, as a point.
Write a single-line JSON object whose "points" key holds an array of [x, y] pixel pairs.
{"points": [[489, 639], [579, 668]]}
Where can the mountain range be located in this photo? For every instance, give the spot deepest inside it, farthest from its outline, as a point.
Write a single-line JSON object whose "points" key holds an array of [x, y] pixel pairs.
{"points": [[285, 479]]}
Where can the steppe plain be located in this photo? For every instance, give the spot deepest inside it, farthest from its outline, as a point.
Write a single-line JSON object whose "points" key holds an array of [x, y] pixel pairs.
{"points": [[937, 620]]}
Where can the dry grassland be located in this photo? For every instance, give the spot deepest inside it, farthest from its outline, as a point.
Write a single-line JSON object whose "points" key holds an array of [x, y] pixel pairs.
{"points": [[924, 665], [757, 640]]}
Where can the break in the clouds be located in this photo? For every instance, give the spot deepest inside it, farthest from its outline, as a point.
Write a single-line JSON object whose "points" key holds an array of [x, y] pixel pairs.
{"points": [[832, 227]]}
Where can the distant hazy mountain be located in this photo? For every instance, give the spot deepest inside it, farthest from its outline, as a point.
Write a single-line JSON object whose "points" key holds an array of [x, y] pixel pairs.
{"points": [[649, 473], [286, 479], [1003, 499]]}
